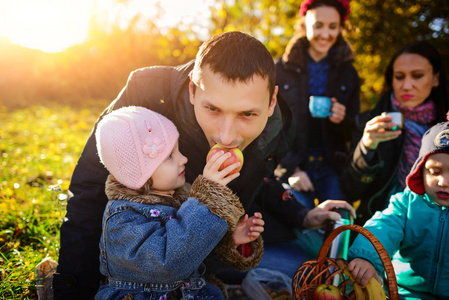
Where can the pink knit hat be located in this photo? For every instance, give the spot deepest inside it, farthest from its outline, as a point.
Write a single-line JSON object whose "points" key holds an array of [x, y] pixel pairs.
{"points": [[132, 142]]}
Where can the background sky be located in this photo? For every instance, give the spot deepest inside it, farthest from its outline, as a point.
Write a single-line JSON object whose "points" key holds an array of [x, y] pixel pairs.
{"points": [[53, 25]]}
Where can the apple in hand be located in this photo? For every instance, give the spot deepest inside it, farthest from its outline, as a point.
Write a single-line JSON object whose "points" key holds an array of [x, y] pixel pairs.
{"points": [[327, 292], [236, 156]]}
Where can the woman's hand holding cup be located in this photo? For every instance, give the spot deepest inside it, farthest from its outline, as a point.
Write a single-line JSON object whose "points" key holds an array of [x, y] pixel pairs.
{"points": [[338, 112], [380, 129], [323, 107]]}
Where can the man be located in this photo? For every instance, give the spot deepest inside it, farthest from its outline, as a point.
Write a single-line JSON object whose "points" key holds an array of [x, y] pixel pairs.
{"points": [[227, 96]]}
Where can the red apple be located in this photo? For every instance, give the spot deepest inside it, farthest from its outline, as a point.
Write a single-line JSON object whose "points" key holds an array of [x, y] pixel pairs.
{"points": [[236, 156], [327, 292]]}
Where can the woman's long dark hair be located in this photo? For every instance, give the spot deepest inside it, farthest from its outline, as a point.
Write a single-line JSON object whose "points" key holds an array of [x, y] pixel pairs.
{"points": [[438, 94]]}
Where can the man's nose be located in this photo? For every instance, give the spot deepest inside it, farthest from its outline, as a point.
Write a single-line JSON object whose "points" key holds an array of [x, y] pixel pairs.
{"points": [[228, 130]]}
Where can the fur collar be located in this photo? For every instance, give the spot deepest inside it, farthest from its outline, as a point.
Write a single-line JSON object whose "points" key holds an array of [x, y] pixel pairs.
{"points": [[297, 47], [117, 191]]}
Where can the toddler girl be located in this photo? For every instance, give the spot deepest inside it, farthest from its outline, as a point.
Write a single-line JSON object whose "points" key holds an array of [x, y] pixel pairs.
{"points": [[156, 230]]}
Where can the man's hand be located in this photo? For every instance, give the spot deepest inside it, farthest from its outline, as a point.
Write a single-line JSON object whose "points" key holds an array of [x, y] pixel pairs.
{"points": [[300, 181], [211, 169], [378, 130], [318, 216], [363, 270], [248, 229], [338, 112]]}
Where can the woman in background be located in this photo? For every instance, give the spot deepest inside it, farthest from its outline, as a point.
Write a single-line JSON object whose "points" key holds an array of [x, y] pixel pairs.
{"points": [[318, 62], [383, 154]]}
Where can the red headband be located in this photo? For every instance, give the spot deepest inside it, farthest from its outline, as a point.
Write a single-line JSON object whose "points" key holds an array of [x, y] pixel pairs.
{"points": [[306, 3]]}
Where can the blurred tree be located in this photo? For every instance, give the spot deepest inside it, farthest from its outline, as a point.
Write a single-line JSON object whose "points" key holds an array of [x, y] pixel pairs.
{"points": [[375, 29], [272, 22], [379, 28], [96, 69], [99, 67]]}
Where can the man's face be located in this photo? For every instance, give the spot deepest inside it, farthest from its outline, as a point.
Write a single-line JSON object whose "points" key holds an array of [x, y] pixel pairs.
{"points": [[231, 114], [436, 178]]}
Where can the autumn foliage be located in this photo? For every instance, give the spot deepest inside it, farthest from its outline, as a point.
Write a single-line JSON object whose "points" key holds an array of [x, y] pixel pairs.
{"points": [[98, 68]]}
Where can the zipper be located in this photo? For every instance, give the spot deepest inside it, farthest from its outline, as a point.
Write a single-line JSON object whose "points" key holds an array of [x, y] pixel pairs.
{"points": [[440, 236]]}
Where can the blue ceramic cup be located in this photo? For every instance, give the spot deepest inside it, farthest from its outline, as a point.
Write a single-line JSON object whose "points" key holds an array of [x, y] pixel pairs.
{"points": [[320, 106]]}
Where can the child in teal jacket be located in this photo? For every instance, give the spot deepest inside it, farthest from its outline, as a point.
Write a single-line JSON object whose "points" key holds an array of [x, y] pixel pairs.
{"points": [[414, 228]]}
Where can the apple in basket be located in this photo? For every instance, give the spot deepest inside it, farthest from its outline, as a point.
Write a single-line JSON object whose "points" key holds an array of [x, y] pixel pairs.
{"points": [[236, 156], [327, 292]]}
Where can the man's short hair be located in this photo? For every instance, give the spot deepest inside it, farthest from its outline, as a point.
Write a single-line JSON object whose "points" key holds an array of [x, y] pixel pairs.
{"points": [[237, 56]]}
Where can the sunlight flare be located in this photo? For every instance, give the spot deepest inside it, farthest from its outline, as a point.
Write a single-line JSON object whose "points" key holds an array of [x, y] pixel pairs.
{"points": [[48, 25]]}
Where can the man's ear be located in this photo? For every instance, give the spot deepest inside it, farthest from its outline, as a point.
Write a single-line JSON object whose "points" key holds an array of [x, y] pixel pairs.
{"points": [[191, 92], [273, 101]]}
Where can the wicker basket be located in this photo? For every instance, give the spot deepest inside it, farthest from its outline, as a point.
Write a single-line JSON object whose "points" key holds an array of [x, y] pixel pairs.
{"points": [[324, 270]]}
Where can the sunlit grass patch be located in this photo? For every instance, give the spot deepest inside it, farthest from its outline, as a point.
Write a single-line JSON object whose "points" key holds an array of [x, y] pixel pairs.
{"points": [[39, 148]]}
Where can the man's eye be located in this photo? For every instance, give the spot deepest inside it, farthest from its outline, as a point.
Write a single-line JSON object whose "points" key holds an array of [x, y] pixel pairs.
{"points": [[249, 114], [211, 108]]}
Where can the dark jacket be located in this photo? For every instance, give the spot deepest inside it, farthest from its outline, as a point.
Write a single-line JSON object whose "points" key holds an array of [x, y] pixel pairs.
{"points": [[164, 90], [371, 183], [343, 84]]}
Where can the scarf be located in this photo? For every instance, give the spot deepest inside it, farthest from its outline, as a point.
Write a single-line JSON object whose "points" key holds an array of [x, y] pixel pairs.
{"points": [[417, 121], [318, 73], [169, 193]]}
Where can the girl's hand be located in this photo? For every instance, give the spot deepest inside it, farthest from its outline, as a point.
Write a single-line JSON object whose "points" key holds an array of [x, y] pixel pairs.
{"points": [[378, 130], [338, 112], [248, 229], [222, 177], [363, 270]]}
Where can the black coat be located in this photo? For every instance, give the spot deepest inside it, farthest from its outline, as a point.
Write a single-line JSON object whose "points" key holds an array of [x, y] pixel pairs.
{"points": [[372, 183], [164, 90], [343, 84]]}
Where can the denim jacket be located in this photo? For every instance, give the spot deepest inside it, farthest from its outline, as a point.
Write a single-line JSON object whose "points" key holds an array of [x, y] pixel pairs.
{"points": [[153, 246]]}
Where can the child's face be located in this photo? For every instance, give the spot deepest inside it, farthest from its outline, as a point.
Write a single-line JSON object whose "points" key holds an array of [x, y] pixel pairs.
{"points": [[170, 174], [436, 178]]}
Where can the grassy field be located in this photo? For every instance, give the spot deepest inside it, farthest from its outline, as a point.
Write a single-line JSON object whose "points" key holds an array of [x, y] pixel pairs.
{"points": [[39, 148]]}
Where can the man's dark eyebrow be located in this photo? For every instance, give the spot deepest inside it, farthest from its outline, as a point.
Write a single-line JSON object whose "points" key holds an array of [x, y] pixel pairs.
{"points": [[251, 110]]}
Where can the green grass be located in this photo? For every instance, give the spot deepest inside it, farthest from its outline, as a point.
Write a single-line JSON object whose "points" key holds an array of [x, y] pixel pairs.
{"points": [[39, 148]]}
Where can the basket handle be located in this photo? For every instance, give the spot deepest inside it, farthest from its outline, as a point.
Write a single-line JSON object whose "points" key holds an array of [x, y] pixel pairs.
{"points": [[388, 266]]}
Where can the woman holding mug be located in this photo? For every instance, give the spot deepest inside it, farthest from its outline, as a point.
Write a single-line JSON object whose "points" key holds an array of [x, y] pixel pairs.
{"points": [[384, 152], [318, 62]]}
